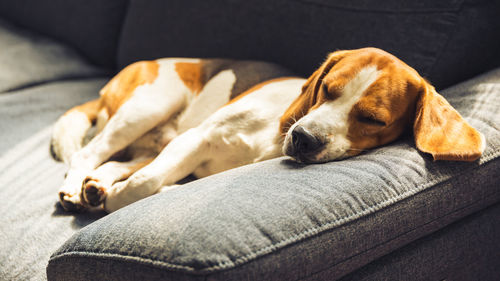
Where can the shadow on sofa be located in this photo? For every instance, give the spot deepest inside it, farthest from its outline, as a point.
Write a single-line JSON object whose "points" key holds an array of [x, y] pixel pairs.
{"points": [[79, 219], [389, 214]]}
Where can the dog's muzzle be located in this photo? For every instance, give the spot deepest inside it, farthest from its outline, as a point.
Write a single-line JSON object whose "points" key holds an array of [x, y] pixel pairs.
{"points": [[303, 145]]}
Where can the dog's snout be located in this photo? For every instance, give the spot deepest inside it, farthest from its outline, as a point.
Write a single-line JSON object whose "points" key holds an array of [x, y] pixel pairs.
{"points": [[303, 141]]}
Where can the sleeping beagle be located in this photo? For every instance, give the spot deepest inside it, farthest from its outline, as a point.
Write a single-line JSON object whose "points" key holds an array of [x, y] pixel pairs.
{"points": [[168, 118]]}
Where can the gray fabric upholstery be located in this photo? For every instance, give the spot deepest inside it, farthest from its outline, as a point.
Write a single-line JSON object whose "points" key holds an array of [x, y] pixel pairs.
{"points": [[91, 26], [32, 224], [278, 220], [30, 110], [456, 253], [273, 220], [435, 37], [27, 59], [470, 49]]}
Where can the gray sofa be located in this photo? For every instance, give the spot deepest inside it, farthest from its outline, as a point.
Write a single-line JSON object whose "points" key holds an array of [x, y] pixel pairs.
{"points": [[389, 214]]}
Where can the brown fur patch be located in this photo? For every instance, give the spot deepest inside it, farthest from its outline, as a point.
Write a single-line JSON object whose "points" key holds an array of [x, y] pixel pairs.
{"points": [[313, 94], [123, 85], [441, 131], [390, 101], [387, 108], [248, 73], [191, 74], [90, 108]]}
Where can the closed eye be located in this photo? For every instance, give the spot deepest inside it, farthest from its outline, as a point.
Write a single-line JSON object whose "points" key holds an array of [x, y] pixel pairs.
{"points": [[329, 93], [325, 88], [371, 121]]}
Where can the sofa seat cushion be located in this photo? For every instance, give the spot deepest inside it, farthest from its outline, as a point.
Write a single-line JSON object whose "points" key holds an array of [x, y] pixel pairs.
{"points": [[27, 58], [32, 224], [278, 220]]}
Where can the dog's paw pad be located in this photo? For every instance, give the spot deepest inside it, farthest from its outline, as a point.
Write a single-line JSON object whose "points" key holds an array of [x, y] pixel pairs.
{"points": [[93, 193], [70, 203]]}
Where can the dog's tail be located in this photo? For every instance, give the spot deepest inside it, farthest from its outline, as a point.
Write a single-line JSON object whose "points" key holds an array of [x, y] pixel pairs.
{"points": [[71, 130]]}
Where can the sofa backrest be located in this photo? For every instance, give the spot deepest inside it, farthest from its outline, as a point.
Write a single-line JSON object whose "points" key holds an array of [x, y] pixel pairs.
{"points": [[447, 41], [90, 26], [295, 33]]}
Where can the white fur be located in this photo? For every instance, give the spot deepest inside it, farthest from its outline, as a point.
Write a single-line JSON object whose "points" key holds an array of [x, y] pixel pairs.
{"points": [[483, 143], [243, 132], [202, 136], [149, 105], [332, 116], [247, 130], [69, 133], [187, 133], [214, 94]]}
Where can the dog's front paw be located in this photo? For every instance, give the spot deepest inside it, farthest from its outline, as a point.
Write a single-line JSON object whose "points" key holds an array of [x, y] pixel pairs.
{"points": [[114, 199], [70, 192], [130, 190], [93, 192]]}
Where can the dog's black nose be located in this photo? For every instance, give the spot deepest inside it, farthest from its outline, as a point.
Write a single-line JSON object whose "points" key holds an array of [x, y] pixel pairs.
{"points": [[303, 141]]}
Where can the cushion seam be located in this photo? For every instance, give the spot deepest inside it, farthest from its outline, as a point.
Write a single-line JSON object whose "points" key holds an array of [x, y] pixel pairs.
{"points": [[327, 226], [406, 232], [152, 262], [290, 240], [379, 11], [121, 257]]}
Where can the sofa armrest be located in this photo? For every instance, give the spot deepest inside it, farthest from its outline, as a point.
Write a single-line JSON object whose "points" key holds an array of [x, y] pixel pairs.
{"points": [[279, 220]]}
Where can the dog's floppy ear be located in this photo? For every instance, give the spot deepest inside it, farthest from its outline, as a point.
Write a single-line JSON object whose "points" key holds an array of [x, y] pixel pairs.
{"points": [[441, 131], [314, 82], [307, 97]]}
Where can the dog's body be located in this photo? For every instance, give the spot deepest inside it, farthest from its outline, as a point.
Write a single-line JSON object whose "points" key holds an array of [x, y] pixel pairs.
{"points": [[173, 117]]}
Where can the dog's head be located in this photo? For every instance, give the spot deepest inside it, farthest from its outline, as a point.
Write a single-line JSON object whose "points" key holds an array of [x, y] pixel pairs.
{"points": [[361, 99]]}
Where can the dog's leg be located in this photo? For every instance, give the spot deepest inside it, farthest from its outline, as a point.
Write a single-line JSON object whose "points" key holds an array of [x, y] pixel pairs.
{"points": [[179, 158], [134, 118], [100, 180]]}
